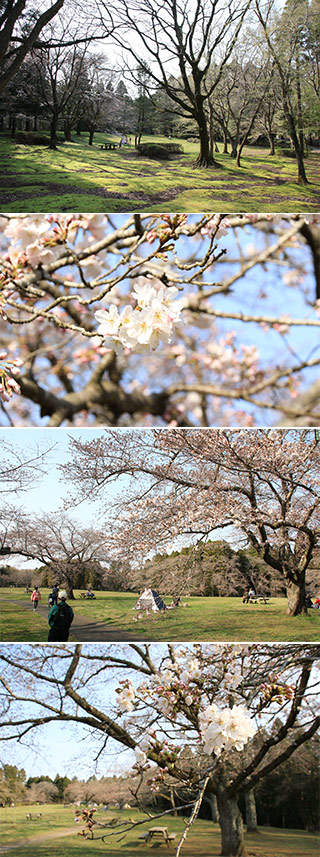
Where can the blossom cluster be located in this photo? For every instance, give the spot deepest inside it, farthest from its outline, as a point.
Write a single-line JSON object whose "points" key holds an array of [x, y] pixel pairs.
{"points": [[8, 368], [165, 232], [38, 240], [125, 696], [166, 752], [273, 691], [225, 729], [141, 328]]}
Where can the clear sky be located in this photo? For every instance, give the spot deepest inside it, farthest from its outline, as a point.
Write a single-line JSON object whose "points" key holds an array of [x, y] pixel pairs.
{"points": [[65, 749]]}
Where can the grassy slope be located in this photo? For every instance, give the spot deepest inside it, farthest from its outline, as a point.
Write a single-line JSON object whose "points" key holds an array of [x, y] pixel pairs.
{"points": [[204, 838], [213, 619], [78, 177]]}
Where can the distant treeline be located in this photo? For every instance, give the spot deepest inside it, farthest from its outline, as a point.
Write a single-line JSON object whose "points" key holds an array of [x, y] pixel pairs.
{"points": [[211, 569]]}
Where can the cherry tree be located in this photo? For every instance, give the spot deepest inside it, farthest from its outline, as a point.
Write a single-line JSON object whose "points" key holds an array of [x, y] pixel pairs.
{"points": [[55, 541], [21, 468], [262, 486], [159, 319], [241, 711]]}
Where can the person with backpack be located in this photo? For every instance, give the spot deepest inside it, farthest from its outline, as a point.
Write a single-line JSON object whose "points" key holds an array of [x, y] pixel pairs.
{"points": [[60, 618]]}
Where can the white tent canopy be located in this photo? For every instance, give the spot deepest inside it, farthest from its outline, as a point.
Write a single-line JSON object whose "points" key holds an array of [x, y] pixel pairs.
{"points": [[149, 600]]}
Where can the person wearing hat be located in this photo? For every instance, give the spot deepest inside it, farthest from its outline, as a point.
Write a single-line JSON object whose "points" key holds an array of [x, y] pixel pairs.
{"points": [[60, 618]]}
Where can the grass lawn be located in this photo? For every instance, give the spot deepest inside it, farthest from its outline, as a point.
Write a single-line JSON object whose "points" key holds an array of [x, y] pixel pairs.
{"points": [[79, 177], [203, 839], [224, 619]]}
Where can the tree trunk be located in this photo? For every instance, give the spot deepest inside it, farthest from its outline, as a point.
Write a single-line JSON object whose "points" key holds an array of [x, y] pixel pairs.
{"points": [[271, 141], [234, 146], [299, 103], [67, 131], [296, 595], [53, 132], [302, 178], [205, 158], [251, 812], [78, 131], [35, 122], [231, 823], [213, 803], [13, 126], [91, 133], [239, 152]]}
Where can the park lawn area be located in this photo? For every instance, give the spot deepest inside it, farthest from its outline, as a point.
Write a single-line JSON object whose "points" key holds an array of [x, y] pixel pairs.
{"points": [[79, 177], [19, 625], [215, 619], [203, 838]]}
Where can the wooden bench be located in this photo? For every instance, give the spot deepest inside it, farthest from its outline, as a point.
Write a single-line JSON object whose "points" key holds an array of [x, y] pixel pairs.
{"points": [[109, 146]]}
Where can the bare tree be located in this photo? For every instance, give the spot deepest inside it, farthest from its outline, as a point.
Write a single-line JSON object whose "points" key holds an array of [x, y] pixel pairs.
{"points": [[179, 41], [20, 27], [283, 45]]}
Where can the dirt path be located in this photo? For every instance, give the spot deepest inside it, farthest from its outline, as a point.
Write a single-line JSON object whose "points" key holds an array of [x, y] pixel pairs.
{"points": [[41, 837], [82, 629]]}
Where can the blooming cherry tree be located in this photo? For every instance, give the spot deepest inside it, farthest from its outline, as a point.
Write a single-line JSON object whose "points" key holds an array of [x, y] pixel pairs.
{"points": [[261, 486], [233, 737]]}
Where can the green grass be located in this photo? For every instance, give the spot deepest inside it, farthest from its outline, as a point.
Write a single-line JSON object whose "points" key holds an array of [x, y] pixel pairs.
{"points": [[215, 619], [203, 839], [17, 624], [79, 177]]}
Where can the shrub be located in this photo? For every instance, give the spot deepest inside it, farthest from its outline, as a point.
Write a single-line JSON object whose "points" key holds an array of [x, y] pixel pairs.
{"points": [[34, 138], [175, 148], [285, 153], [162, 151]]}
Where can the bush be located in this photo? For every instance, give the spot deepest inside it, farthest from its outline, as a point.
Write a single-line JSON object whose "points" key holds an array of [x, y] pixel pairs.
{"points": [[161, 151], [34, 138], [285, 153], [175, 148]]}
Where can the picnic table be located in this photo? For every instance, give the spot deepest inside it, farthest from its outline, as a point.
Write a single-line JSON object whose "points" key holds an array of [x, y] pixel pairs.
{"points": [[110, 146], [160, 833], [258, 599]]}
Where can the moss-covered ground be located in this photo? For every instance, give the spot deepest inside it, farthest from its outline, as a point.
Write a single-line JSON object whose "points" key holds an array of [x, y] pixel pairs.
{"points": [[79, 177]]}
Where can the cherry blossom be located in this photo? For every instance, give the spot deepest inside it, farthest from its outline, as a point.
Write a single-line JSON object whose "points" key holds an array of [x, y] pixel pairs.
{"points": [[190, 321]]}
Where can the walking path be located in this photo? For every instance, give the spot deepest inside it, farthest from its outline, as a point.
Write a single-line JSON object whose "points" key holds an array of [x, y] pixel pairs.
{"points": [[82, 629], [41, 837]]}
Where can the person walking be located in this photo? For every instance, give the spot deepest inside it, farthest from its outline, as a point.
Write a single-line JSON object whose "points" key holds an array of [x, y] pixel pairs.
{"points": [[60, 618], [54, 594], [35, 597]]}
